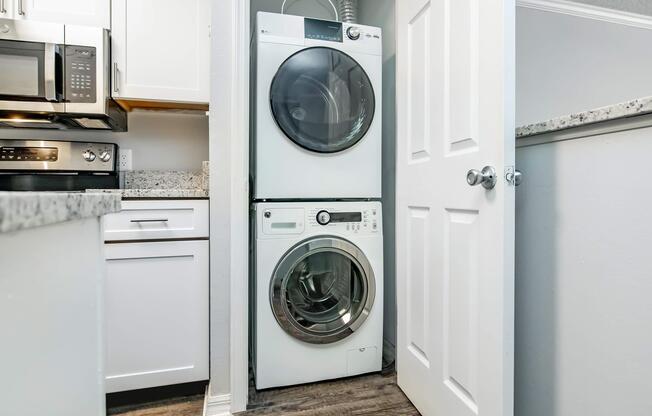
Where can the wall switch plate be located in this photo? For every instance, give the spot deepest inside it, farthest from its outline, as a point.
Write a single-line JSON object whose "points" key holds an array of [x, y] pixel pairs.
{"points": [[125, 162]]}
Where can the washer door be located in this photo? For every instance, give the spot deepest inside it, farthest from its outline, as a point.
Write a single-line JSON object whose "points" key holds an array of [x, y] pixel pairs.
{"points": [[322, 290], [323, 100]]}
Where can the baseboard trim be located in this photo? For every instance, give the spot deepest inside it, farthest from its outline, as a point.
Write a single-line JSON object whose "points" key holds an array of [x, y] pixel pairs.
{"points": [[589, 12], [219, 405]]}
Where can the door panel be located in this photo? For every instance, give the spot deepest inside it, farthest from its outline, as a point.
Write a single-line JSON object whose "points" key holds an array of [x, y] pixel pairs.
{"points": [[455, 242], [156, 314]]}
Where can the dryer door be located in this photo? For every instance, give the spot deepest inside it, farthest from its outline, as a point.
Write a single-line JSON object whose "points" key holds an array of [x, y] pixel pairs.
{"points": [[322, 290], [323, 100]]}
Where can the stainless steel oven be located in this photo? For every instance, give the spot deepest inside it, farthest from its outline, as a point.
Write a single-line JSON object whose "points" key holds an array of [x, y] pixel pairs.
{"points": [[47, 165], [56, 76]]}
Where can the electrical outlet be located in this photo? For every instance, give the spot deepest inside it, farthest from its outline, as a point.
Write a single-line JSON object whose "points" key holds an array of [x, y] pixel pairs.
{"points": [[126, 160]]}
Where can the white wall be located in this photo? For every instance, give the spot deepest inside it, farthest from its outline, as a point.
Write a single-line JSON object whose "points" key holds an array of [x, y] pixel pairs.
{"points": [[584, 277], [381, 13], [566, 64], [159, 140]]}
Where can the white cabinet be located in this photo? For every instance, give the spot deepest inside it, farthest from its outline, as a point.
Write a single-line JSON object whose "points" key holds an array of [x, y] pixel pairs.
{"points": [[156, 294], [156, 314], [160, 50], [73, 12]]}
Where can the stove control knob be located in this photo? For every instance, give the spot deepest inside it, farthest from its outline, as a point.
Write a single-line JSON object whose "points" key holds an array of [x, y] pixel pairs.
{"points": [[323, 217], [353, 33], [105, 156], [88, 156]]}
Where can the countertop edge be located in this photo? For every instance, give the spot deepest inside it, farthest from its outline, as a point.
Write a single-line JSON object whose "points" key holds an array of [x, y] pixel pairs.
{"points": [[154, 194], [627, 109], [24, 210]]}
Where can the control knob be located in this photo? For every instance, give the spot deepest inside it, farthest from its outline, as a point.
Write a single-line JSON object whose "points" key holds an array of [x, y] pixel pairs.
{"points": [[323, 217], [105, 156], [353, 33], [89, 156]]}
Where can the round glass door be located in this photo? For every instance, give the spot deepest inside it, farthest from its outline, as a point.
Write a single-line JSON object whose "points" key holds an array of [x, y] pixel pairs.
{"points": [[322, 290], [323, 100]]}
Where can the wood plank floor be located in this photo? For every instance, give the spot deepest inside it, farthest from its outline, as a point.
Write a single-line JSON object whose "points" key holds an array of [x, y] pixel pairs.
{"points": [[374, 394], [187, 406]]}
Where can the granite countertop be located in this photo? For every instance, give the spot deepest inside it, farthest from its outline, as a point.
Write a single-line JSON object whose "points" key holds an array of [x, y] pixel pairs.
{"points": [[22, 210], [163, 184], [630, 108]]}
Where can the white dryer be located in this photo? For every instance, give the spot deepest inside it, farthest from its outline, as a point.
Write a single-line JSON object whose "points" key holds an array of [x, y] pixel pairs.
{"points": [[316, 109], [318, 289]]}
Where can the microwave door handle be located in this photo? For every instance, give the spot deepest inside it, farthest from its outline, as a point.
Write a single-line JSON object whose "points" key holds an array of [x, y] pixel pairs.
{"points": [[50, 68]]}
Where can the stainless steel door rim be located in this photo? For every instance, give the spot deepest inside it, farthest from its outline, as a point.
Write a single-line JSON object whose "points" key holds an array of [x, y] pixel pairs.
{"points": [[297, 322]]}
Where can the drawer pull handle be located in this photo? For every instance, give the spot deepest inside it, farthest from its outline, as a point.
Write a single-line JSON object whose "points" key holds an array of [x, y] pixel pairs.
{"points": [[152, 220]]}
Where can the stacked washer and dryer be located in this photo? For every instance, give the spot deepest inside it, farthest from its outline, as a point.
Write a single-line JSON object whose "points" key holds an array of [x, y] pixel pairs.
{"points": [[317, 281]]}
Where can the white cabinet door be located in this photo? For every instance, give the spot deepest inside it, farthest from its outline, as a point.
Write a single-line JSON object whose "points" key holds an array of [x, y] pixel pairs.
{"points": [[71, 12], [161, 50], [7, 9], [156, 314]]}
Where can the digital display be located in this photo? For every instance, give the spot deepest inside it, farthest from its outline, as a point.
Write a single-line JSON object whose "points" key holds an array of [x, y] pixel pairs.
{"points": [[323, 30], [346, 217], [30, 154]]}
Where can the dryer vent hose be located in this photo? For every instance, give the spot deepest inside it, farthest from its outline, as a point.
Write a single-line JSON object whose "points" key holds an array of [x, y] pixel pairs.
{"points": [[348, 10]]}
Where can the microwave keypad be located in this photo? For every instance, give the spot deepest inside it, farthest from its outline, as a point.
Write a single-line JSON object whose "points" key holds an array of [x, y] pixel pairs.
{"points": [[81, 78]]}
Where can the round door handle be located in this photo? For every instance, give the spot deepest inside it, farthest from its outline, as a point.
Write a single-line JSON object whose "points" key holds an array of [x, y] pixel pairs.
{"points": [[486, 177]]}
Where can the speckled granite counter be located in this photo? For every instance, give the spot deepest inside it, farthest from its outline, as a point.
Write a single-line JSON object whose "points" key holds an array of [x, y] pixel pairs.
{"points": [[163, 184], [631, 108], [21, 210]]}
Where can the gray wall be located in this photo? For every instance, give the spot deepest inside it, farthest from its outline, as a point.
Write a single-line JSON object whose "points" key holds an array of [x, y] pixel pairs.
{"points": [[159, 140], [631, 6], [583, 277], [381, 13], [566, 64], [313, 8]]}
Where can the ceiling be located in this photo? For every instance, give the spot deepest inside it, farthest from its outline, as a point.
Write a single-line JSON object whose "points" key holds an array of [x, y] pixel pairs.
{"points": [[632, 6]]}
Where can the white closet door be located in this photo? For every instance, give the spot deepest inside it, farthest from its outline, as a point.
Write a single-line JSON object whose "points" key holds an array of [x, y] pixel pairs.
{"points": [[455, 242]]}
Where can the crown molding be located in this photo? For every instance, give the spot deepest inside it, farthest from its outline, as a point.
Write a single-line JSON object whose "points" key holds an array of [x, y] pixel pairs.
{"points": [[588, 11]]}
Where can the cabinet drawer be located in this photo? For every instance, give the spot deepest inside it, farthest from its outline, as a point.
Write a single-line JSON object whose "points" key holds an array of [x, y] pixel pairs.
{"points": [[154, 220]]}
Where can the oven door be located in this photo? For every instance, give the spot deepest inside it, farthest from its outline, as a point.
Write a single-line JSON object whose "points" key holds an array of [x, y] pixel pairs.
{"points": [[32, 62]]}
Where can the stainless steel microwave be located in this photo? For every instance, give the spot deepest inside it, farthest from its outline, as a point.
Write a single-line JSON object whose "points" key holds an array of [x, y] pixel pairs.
{"points": [[55, 76]]}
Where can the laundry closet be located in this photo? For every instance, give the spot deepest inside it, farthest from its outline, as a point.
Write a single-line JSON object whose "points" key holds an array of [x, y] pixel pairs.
{"points": [[318, 287], [306, 324]]}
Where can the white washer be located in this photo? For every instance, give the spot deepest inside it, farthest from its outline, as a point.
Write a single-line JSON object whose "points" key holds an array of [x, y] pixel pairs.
{"points": [[318, 289], [316, 109]]}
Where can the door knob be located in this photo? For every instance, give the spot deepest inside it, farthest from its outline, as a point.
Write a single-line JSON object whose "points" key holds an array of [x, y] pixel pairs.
{"points": [[486, 177]]}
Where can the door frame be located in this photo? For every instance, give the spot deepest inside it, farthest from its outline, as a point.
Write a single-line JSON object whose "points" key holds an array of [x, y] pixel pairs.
{"points": [[227, 392]]}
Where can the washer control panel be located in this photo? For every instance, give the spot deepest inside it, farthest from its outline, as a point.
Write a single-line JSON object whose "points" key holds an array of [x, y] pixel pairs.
{"points": [[276, 219], [354, 221]]}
